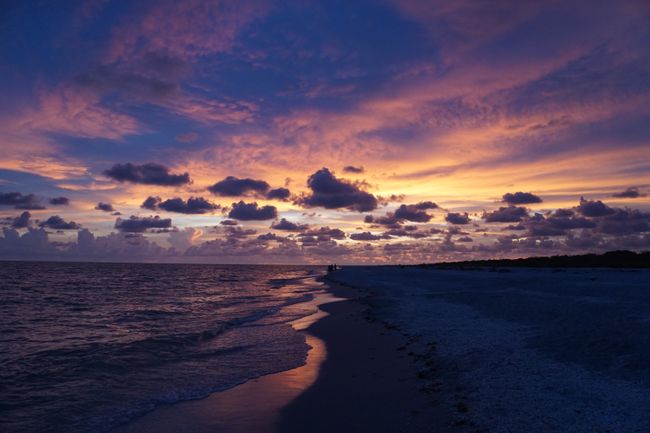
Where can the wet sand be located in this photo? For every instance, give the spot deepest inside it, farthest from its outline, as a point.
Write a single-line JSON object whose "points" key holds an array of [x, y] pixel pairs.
{"points": [[359, 377], [368, 381]]}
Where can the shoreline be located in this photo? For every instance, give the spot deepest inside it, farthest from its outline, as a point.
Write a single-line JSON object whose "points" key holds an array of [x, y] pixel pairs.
{"points": [[359, 376], [251, 406], [368, 382]]}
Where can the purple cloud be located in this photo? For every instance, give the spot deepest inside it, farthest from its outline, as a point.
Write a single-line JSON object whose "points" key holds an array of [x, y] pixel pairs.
{"points": [[137, 224], [251, 212], [235, 187], [332, 193], [521, 198], [147, 174], [57, 223]]}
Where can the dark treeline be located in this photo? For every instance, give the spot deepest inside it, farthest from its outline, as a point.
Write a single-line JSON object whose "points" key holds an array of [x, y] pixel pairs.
{"points": [[611, 259]]}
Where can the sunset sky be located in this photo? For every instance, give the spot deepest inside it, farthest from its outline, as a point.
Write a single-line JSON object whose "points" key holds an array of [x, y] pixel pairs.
{"points": [[312, 132]]}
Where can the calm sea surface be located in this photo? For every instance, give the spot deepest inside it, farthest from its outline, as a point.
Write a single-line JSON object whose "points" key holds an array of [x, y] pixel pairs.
{"points": [[85, 347]]}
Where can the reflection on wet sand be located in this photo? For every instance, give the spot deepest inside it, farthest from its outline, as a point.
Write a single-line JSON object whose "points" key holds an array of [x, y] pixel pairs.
{"points": [[251, 407]]}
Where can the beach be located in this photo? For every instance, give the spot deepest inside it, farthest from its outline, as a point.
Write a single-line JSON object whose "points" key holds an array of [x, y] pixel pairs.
{"points": [[359, 376], [534, 350], [420, 350]]}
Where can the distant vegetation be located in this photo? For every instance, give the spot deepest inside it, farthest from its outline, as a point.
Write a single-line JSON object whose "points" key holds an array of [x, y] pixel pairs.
{"points": [[612, 259]]}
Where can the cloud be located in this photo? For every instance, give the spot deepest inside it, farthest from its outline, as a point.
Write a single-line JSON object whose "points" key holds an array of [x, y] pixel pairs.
{"points": [[415, 212], [270, 237], [521, 198], [147, 174], [457, 218], [631, 192], [332, 193], [151, 202], [405, 212], [186, 30], [22, 221], [324, 233], [278, 194], [287, 225], [406, 231], [623, 222], [250, 212], [60, 201], [557, 225], [388, 220], [20, 201], [181, 240], [137, 224], [236, 232], [152, 78], [353, 169], [365, 236], [105, 207], [57, 223], [595, 208], [193, 205], [235, 187], [510, 214], [229, 223], [32, 244]]}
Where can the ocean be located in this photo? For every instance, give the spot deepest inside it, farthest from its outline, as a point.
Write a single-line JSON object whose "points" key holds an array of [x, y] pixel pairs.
{"points": [[86, 347]]}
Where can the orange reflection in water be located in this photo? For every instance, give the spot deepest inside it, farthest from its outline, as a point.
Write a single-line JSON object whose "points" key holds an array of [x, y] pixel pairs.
{"points": [[251, 407]]}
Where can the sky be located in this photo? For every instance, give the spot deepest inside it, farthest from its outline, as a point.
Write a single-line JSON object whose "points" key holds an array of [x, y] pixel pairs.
{"points": [[315, 132]]}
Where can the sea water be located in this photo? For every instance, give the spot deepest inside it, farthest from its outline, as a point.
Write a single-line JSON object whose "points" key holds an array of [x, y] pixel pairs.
{"points": [[85, 347]]}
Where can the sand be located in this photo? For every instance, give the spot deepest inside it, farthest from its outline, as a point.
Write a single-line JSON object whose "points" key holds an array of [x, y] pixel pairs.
{"points": [[525, 350], [367, 383], [360, 376]]}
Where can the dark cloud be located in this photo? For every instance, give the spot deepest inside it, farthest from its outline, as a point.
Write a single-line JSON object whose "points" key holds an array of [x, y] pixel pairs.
{"points": [[324, 233], [510, 214], [623, 222], [235, 187], [278, 194], [193, 205], [269, 237], [287, 225], [556, 226], [595, 208], [238, 232], [20, 201], [332, 193], [151, 202], [413, 213], [365, 236], [631, 192], [228, 223], [22, 221], [105, 207], [457, 218], [137, 224], [148, 174], [521, 198], [424, 205], [406, 212], [407, 231], [563, 213], [57, 223], [353, 169], [60, 201], [250, 211]]}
